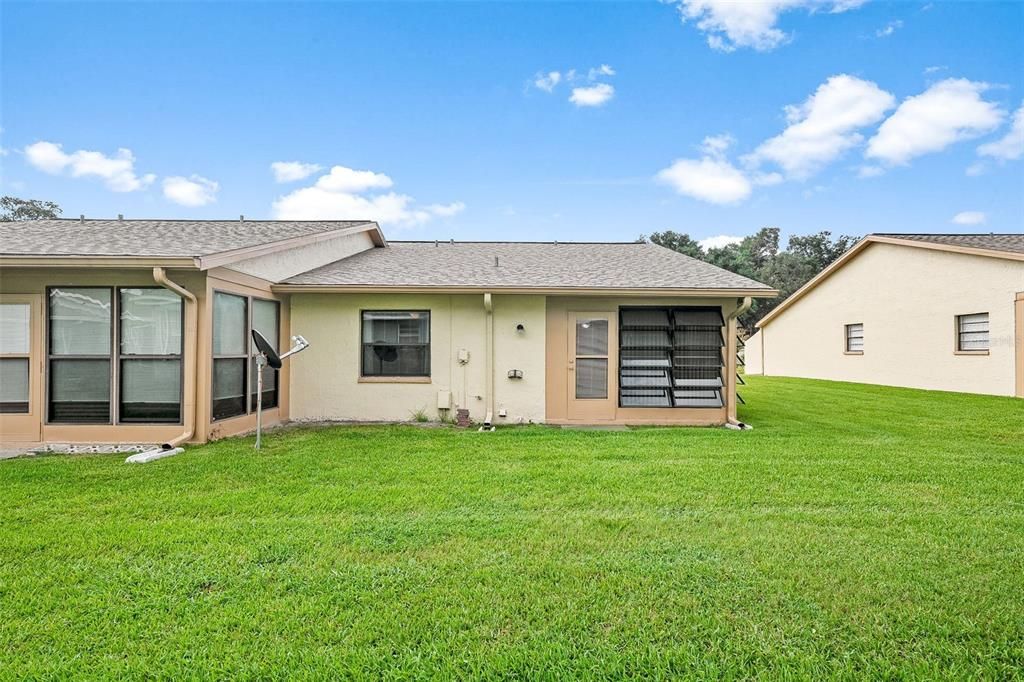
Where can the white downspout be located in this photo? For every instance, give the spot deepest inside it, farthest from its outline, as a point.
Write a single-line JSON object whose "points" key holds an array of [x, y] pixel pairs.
{"points": [[730, 397], [489, 362], [190, 341]]}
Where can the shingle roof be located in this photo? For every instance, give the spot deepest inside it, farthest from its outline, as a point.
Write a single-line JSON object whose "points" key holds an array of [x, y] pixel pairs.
{"points": [[151, 238], [1013, 243], [524, 265]]}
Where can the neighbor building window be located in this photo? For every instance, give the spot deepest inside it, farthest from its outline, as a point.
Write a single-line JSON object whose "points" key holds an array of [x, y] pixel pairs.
{"points": [[855, 338], [972, 332], [14, 357], [234, 364], [396, 343], [85, 362]]}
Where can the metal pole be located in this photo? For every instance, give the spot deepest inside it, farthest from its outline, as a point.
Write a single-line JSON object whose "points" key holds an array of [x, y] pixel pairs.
{"points": [[261, 360]]}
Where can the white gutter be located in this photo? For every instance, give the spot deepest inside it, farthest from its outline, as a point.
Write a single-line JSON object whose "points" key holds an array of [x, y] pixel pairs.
{"points": [[731, 419], [489, 363], [190, 352]]}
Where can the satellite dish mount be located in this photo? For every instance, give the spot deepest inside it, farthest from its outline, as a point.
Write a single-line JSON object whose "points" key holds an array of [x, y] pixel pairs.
{"points": [[266, 355]]}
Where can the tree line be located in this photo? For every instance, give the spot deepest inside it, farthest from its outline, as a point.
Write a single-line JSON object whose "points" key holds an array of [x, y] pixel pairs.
{"points": [[760, 258]]}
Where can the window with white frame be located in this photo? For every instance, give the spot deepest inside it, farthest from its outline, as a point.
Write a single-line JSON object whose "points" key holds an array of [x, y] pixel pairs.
{"points": [[972, 332], [14, 357], [855, 338]]}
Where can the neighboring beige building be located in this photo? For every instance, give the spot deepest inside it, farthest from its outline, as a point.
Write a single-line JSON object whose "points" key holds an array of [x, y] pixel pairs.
{"points": [[941, 312], [138, 331]]}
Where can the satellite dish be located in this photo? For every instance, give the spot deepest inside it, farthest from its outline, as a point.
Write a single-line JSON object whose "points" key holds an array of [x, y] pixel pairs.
{"points": [[263, 346], [266, 355]]}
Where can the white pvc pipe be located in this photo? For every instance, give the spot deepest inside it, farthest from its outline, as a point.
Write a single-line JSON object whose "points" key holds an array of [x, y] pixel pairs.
{"points": [[151, 455]]}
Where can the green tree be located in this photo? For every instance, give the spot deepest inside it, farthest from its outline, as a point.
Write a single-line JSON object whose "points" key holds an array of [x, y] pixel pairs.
{"points": [[14, 209], [819, 249], [676, 241]]}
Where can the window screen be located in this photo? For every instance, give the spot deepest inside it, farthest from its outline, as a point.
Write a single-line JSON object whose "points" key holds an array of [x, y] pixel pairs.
{"points": [[396, 343], [972, 332], [265, 320], [855, 338], [80, 323], [15, 347], [150, 345], [230, 354]]}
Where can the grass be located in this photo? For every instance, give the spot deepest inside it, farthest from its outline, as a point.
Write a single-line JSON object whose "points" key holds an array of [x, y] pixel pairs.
{"points": [[858, 531]]}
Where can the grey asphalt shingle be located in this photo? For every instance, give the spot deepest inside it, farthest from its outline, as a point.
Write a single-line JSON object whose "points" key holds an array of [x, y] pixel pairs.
{"points": [[1013, 243], [525, 265], [151, 238]]}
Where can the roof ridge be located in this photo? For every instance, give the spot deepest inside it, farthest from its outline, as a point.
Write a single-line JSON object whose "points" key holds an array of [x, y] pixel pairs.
{"points": [[505, 241]]}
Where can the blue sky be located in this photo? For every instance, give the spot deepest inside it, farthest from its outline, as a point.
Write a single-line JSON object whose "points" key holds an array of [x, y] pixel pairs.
{"points": [[442, 120]]}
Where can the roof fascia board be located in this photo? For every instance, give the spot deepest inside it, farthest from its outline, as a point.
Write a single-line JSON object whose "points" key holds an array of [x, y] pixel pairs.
{"points": [[953, 248], [97, 262], [222, 258], [550, 291], [863, 244]]}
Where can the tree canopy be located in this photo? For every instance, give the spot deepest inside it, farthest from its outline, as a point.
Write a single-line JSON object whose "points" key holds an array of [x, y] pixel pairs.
{"points": [[14, 209], [760, 258]]}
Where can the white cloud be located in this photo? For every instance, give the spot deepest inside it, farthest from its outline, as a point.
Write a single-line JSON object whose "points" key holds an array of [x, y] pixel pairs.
{"points": [[719, 241], [949, 111], [730, 24], [290, 171], [194, 190], [547, 81], [117, 172], [889, 29], [929, 70], [447, 210], [824, 126], [342, 179], [603, 70], [969, 218], [870, 171], [344, 194], [592, 96], [1011, 146], [976, 169], [710, 179]]}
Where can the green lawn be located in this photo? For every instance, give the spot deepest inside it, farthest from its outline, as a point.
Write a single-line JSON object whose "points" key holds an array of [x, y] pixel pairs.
{"points": [[857, 531]]}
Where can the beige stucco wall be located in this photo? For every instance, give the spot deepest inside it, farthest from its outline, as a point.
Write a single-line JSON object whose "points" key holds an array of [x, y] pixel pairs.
{"points": [[907, 299], [325, 379], [278, 266], [752, 355]]}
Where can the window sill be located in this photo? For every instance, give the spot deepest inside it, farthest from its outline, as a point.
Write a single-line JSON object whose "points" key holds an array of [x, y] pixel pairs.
{"points": [[970, 352], [853, 352], [394, 380]]}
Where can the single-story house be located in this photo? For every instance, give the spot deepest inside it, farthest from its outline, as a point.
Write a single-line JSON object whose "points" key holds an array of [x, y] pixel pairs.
{"points": [[934, 311], [138, 331]]}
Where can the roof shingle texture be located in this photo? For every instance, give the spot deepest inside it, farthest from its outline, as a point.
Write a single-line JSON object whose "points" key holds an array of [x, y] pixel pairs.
{"points": [[151, 238], [524, 265], [1013, 243]]}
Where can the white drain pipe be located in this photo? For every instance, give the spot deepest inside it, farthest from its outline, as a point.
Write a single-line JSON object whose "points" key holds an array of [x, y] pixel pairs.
{"points": [[489, 363], [190, 353]]}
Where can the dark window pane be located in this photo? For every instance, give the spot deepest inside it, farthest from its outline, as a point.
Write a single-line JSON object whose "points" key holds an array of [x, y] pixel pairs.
{"points": [[80, 391], [151, 390], [14, 386], [80, 321], [150, 322], [394, 360], [269, 387], [228, 388], [229, 325]]}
